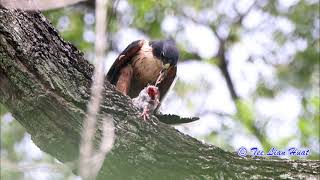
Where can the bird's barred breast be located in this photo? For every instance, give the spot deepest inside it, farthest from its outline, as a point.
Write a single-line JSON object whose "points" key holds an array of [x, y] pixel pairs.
{"points": [[146, 67]]}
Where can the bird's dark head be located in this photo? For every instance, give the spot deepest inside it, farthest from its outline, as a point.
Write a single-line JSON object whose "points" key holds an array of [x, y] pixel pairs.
{"points": [[166, 51]]}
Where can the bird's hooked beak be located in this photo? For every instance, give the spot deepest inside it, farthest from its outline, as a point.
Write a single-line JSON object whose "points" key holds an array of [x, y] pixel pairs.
{"points": [[165, 69], [166, 66]]}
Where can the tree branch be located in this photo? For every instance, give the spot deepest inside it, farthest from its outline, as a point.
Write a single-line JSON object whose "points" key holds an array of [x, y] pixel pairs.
{"points": [[45, 83], [224, 69]]}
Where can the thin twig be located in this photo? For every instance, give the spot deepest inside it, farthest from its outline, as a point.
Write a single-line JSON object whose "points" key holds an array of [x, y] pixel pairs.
{"points": [[86, 147], [105, 145], [241, 16]]}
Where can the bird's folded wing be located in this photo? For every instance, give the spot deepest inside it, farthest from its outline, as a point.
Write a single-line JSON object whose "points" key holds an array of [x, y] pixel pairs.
{"points": [[165, 85], [123, 59]]}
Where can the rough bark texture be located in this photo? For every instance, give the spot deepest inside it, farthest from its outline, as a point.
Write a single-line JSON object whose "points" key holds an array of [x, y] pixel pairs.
{"points": [[45, 84]]}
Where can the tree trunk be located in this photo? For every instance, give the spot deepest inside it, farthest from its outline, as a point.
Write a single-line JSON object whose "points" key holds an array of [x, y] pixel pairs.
{"points": [[45, 83]]}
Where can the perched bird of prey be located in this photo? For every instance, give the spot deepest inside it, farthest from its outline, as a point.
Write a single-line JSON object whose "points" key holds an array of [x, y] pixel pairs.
{"points": [[143, 63], [147, 101]]}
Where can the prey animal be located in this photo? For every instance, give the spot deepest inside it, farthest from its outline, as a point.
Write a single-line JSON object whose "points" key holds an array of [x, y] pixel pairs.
{"points": [[145, 62], [147, 101]]}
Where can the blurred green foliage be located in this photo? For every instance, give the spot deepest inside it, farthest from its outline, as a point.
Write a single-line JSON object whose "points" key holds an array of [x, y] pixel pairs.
{"points": [[3, 110], [11, 133], [71, 26], [245, 114], [15, 152]]}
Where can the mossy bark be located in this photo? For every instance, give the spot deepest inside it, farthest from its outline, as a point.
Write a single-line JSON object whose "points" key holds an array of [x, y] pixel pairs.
{"points": [[45, 83]]}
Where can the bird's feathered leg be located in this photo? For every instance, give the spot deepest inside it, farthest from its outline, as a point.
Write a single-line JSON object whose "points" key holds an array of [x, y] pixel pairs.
{"points": [[124, 81]]}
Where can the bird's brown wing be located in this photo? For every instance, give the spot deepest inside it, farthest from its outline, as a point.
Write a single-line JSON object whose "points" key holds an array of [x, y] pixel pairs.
{"points": [[122, 60], [124, 79], [165, 85]]}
